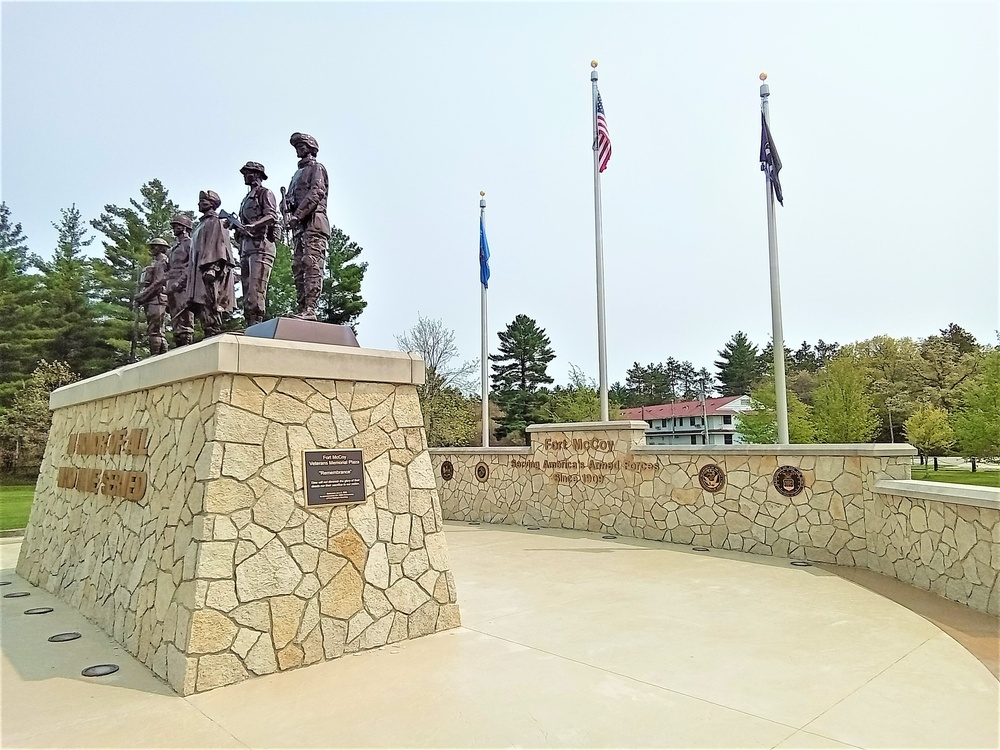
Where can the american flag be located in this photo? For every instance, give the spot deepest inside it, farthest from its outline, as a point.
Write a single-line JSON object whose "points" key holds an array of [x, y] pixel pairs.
{"points": [[603, 145]]}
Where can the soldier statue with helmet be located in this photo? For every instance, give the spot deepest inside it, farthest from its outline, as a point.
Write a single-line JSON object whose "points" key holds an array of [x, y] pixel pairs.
{"points": [[178, 281], [255, 236], [153, 295], [304, 209]]}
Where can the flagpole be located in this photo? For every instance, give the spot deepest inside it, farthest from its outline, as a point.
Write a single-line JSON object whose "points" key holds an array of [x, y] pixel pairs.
{"points": [[602, 353], [778, 340], [486, 347]]}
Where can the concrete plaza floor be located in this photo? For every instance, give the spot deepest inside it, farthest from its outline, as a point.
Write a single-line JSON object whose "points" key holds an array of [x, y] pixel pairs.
{"points": [[568, 640]]}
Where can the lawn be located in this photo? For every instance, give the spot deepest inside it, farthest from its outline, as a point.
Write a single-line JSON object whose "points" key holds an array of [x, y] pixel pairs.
{"points": [[15, 503], [957, 476]]}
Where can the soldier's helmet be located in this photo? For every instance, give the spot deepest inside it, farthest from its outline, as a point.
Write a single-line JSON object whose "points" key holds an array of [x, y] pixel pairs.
{"points": [[254, 166], [183, 219], [158, 242], [211, 196], [298, 138]]}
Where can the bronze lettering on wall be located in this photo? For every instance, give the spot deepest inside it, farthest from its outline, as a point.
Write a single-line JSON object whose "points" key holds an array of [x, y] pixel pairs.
{"points": [[117, 483], [581, 469]]}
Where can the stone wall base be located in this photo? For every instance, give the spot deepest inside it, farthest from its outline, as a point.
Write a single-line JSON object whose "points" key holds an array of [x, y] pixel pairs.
{"points": [[220, 571]]}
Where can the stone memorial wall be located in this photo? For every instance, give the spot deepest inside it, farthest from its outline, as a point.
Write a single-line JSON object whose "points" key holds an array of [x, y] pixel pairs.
{"points": [[943, 538], [218, 570], [810, 502]]}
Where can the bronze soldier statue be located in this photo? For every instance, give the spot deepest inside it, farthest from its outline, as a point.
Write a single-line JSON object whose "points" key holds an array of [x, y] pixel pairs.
{"points": [[259, 220], [178, 281], [305, 210], [153, 296], [210, 271]]}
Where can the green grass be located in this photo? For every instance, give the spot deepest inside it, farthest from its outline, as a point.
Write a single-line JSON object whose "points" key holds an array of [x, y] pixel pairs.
{"points": [[15, 504], [957, 476]]}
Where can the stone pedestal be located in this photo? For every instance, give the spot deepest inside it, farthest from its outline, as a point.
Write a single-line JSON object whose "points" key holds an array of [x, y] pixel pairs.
{"points": [[171, 510]]}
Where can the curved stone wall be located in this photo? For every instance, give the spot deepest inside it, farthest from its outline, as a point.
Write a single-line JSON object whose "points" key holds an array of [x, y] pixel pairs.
{"points": [[603, 478]]}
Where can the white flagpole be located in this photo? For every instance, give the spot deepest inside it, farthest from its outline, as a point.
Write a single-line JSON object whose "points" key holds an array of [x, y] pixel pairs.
{"points": [[486, 347], [602, 353], [778, 340]]}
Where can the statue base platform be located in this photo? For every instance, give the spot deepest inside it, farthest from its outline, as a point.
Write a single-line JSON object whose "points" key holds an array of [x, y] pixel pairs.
{"points": [[311, 331], [244, 506]]}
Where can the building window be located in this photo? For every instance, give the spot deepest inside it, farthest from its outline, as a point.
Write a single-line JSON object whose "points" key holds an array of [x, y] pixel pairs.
{"points": [[650, 423], [727, 419], [729, 438], [694, 440], [691, 420]]}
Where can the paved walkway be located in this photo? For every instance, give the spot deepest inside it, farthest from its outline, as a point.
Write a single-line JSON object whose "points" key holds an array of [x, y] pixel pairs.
{"points": [[569, 640]]}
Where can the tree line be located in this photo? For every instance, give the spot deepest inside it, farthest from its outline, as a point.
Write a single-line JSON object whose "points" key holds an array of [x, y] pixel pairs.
{"points": [[72, 314], [940, 393]]}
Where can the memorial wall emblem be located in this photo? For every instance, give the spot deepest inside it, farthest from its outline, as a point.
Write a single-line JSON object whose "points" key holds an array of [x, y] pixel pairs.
{"points": [[447, 471], [712, 478], [788, 480], [482, 472]]}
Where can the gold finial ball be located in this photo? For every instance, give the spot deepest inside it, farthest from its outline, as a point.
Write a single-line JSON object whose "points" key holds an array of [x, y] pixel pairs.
{"points": [[593, 63], [763, 76], [482, 193]]}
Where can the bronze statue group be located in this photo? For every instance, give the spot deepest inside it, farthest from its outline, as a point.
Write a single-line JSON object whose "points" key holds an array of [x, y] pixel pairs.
{"points": [[194, 279]]}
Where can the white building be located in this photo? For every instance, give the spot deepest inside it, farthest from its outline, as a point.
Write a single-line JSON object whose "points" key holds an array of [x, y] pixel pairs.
{"points": [[708, 422]]}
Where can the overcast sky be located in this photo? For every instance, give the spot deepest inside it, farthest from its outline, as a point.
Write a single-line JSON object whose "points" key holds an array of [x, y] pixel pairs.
{"points": [[884, 114]]}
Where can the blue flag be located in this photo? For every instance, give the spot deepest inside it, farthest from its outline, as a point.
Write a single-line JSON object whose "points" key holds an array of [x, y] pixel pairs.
{"points": [[484, 256]]}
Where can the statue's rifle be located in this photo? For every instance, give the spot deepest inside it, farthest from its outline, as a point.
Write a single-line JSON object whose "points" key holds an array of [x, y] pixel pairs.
{"points": [[285, 224]]}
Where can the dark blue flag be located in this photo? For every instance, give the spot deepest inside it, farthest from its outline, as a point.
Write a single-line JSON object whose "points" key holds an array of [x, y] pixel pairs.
{"points": [[770, 163], [484, 255]]}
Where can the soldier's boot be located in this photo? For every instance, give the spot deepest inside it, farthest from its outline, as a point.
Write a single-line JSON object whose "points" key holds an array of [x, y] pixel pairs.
{"points": [[157, 345], [312, 285], [183, 339]]}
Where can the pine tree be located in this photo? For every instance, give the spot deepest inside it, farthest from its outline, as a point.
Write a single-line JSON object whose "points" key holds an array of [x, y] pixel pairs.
{"points": [[281, 298], [739, 366], [69, 315], [126, 252], [341, 301], [519, 373], [20, 304]]}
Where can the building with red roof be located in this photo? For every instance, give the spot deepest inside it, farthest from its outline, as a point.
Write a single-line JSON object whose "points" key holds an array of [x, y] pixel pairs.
{"points": [[711, 421]]}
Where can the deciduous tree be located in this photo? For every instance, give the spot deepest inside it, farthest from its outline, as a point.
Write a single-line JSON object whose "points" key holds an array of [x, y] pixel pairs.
{"points": [[450, 416], [578, 401], [24, 428], [929, 432], [760, 424], [977, 421], [843, 411]]}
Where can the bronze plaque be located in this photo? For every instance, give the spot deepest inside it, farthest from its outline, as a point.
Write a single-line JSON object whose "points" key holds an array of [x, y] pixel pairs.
{"points": [[482, 472], [712, 478], [334, 477], [788, 480], [447, 471]]}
